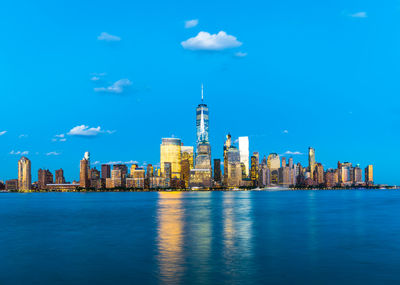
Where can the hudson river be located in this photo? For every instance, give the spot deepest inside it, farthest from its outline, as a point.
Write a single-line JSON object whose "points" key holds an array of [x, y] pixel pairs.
{"points": [[253, 237]]}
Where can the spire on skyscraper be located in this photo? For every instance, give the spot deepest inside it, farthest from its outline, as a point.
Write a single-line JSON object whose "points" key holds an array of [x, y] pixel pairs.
{"points": [[202, 93]]}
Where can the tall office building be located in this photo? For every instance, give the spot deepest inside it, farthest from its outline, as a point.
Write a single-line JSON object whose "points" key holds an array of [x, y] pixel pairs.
{"points": [[217, 170], [357, 174], [244, 153], [105, 171], [254, 170], [60, 176], [273, 164], [44, 177], [369, 175], [84, 172], [149, 171], [186, 164], [200, 175], [24, 174], [170, 151], [202, 120], [311, 161], [319, 174], [234, 170], [123, 168]]}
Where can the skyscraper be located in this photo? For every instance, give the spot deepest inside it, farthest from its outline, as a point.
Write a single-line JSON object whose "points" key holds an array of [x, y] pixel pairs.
{"points": [[24, 174], [60, 176], [244, 153], [311, 161], [273, 164], [44, 177], [202, 120], [369, 175], [170, 151], [105, 171], [200, 175], [84, 173], [217, 170]]}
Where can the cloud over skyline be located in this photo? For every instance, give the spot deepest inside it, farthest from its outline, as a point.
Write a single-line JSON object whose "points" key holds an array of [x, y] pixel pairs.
{"points": [[52, 153], [108, 37], [117, 87], [288, 152], [191, 23], [211, 42], [25, 152], [359, 15], [86, 131]]}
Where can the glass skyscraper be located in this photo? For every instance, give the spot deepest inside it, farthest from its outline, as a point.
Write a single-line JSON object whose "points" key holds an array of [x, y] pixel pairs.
{"points": [[202, 120]]}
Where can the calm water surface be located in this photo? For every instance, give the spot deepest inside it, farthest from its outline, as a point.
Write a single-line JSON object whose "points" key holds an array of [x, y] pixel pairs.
{"points": [[253, 237]]}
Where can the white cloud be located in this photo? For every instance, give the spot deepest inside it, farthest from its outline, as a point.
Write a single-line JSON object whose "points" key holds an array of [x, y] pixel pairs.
{"points": [[240, 54], [293, 152], [86, 131], [359, 15], [22, 136], [25, 152], [207, 41], [59, 138], [116, 87], [95, 78], [285, 131], [191, 23], [122, 162], [108, 38], [53, 153], [2, 133]]}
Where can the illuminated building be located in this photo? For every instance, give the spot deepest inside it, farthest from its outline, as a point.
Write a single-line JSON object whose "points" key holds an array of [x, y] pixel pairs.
{"points": [[311, 161], [170, 151], [357, 175], [201, 175], [117, 178], [24, 174], [202, 120], [105, 171], [273, 164], [12, 185], [254, 170], [60, 176], [273, 161], [187, 163], [44, 177], [167, 173], [284, 161], [123, 168], [263, 174], [369, 175], [137, 178], [346, 173], [150, 171], [244, 153], [331, 178], [234, 175], [319, 174], [84, 171], [227, 145]]}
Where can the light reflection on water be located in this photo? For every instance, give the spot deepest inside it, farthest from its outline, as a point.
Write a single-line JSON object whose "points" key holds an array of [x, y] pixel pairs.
{"points": [[249, 237]]}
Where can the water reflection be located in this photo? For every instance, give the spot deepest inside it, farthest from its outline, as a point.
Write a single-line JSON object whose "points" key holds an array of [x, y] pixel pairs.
{"points": [[170, 237]]}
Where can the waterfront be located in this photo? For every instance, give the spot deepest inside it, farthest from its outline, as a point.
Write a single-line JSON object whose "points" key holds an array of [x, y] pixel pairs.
{"points": [[249, 237]]}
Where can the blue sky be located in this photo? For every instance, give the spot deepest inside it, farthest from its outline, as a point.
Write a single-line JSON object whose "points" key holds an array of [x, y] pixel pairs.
{"points": [[288, 74]]}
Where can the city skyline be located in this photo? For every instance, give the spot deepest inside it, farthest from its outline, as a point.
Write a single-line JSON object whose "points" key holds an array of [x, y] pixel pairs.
{"points": [[124, 76], [180, 167]]}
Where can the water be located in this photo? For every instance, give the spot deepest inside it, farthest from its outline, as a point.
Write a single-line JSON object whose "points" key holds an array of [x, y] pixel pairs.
{"points": [[253, 237]]}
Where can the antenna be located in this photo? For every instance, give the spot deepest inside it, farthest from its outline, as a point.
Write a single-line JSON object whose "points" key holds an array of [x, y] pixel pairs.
{"points": [[202, 92]]}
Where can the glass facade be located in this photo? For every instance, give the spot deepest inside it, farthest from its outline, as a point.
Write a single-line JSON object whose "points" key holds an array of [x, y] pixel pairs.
{"points": [[170, 151], [202, 123]]}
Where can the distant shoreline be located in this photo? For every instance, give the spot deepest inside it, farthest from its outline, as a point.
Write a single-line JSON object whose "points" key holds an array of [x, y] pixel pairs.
{"points": [[205, 190]]}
